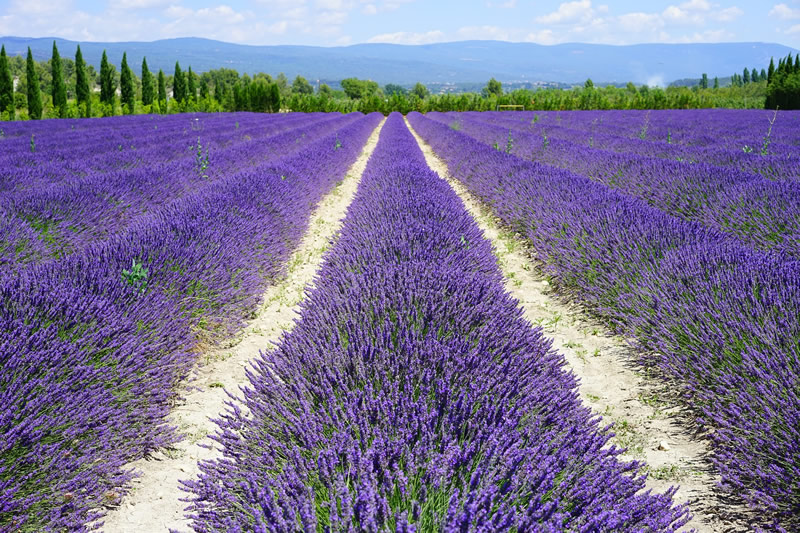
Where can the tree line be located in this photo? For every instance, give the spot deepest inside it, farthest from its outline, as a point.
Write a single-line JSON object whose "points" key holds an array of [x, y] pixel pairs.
{"points": [[62, 87], [783, 83]]}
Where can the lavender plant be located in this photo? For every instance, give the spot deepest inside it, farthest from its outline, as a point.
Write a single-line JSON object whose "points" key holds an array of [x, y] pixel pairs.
{"points": [[761, 213], [91, 367], [718, 319], [412, 395]]}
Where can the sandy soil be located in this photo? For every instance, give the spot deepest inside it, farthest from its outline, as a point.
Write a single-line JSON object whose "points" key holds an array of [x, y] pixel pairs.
{"points": [[646, 420], [154, 502]]}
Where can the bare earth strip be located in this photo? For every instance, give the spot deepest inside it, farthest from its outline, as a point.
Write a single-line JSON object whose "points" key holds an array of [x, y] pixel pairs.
{"points": [[154, 503], [645, 420]]}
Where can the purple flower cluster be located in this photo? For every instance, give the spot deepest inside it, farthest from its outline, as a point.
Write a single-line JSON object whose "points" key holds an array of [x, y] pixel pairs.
{"points": [[413, 396], [721, 137], [82, 185], [761, 213], [91, 359], [721, 320]]}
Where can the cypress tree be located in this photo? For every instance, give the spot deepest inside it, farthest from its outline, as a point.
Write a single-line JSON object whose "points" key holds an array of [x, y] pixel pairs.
{"points": [[6, 83], [204, 93], [219, 91], [82, 85], [704, 81], [108, 84], [771, 70], [191, 89], [275, 97], [162, 88], [754, 75], [178, 84], [59, 88], [127, 93], [716, 82], [797, 62], [746, 76], [34, 94], [147, 84]]}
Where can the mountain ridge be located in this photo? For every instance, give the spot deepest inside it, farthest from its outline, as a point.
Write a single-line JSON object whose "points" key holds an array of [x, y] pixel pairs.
{"points": [[441, 63]]}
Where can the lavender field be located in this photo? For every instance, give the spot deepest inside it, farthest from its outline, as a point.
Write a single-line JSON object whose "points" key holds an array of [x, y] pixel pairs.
{"points": [[411, 393], [683, 241], [121, 254]]}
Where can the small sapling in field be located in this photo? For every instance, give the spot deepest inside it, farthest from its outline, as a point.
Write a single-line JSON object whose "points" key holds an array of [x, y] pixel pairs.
{"points": [[645, 126], [136, 277], [765, 143], [201, 159]]}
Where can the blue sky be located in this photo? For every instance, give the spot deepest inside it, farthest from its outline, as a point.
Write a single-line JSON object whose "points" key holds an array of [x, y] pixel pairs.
{"points": [[342, 22]]}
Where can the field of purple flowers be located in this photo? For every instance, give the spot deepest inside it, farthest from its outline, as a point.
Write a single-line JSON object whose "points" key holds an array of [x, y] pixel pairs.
{"points": [[411, 394], [679, 236], [125, 242]]}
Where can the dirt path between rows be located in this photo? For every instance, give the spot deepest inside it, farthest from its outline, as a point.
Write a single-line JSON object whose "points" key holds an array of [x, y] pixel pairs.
{"points": [[154, 502], [646, 421]]}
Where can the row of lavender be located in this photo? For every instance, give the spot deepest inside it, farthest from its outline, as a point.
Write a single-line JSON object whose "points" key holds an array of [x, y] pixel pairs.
{"points": [[768, 150], [721, 320], [92, 349], [412, 395], [730, 129], [58, 205], [760, 212], [53, 152]]}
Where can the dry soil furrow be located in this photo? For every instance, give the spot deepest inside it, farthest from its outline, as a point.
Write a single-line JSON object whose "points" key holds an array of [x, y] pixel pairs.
{"points": [[154, 502], [645, 421]]}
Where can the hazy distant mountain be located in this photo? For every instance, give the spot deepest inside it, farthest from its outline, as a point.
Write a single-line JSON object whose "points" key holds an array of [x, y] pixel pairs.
{"points": [[465, 61]]}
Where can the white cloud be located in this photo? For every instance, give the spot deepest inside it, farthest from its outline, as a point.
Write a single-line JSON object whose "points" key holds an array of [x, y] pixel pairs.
{"points": [[727, 14], [794, 29], [404, 37], [582, 21], [39, 7], [140, 4], [331, 18], [335, 5], [542, 37], [509, 4], [581, 10], [698, 12], [640, 22], [487, 33], [696, 5], [708, 36], [784, 12], [373, 7]]}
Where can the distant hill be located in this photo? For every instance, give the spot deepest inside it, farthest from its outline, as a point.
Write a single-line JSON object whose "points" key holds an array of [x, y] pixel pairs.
{"points": [[441, 63]]}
